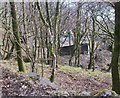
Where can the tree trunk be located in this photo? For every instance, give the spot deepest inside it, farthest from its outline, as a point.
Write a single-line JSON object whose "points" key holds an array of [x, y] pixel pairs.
{"points": [[52, 32], [115, 63], [54, 44], [77, 36], [9, 53], [17, 38], [91, 63]]}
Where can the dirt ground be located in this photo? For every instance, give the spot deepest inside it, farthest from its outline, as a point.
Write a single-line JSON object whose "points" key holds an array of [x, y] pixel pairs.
{"points": [[68, 81]]}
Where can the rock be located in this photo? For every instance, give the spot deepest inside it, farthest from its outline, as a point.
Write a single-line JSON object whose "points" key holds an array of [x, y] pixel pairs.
{"points": [[72, 93], [33, 75], [105, 93], [46, 82], [58, 93], [85, 93]]}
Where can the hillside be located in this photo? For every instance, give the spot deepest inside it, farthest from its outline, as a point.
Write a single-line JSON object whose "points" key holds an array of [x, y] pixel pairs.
{"points": [[68, 81]]}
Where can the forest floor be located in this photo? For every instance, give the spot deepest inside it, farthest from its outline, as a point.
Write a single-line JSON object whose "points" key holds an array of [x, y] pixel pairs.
{"points": [[68, 81]]}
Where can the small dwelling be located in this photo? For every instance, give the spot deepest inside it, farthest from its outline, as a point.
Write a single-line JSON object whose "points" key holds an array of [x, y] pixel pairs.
{"points": [[67, 46], [68, 50]]}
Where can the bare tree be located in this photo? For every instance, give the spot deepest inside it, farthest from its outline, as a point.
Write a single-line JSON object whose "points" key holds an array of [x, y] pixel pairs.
{"points": [[16, 37]]}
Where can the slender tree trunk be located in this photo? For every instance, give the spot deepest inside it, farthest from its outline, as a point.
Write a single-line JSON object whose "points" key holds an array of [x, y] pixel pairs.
{"points": [[115, 63], [9, 53], [7, 46], [36, 35], [47, 24], [91, 63], [78, 37], [24, 24], [52, 32], [54, 44], [17, 38], [59, 27]]}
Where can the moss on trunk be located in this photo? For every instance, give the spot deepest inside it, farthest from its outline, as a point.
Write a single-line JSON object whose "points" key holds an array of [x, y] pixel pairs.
{"points": [[16, 38], [115, 63]]}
